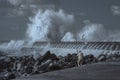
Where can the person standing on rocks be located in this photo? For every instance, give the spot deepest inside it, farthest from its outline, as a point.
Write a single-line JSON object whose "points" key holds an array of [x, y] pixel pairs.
{"points": [[80, 58]]}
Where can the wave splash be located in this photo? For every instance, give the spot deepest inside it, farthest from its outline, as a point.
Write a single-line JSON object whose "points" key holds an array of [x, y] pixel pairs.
{"points": [[49, 25]]}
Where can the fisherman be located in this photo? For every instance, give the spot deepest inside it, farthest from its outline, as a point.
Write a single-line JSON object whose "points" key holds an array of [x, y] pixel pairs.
{"points": [[80, 58]]}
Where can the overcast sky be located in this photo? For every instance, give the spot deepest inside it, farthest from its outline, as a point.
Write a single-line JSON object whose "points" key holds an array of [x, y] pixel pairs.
{"points": [[14, 14]]}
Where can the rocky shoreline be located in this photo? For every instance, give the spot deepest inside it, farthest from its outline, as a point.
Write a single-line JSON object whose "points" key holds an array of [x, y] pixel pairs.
{"points": [[13, 66]]}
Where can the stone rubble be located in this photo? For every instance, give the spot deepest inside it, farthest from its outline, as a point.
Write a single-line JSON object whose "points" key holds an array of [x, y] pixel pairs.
{"points": [[13, 66]]}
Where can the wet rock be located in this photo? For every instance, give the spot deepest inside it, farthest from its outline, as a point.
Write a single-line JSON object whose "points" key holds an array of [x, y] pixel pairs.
{"points": [[95, 60], [10, 76], [4, 65], [46, 56], [29, 69], [68, 58], [44, 66], [89, 59], [102, 57], [110, 56], [115, 56], [54, 66], [38, 61], [70, 64], [74, 58], [35, 72], [54, 57], [22, 70], [62, 63], [71, 60], [27, 65], [3, 78], [18, 66], [25, 75]]}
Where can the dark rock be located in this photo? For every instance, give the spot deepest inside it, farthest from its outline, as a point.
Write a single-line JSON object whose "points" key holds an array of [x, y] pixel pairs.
{"points": [[102, 57], [29, 69], [4, 65], [10, 76], [54, 66], [62, 63], [115, 56], [89, 59], [54, 57], [74, 58], [89, 56], [46, 56], [95, 60], [70, 64], [3, 78], [44, 66], [68, 58], [112, 56], [27, 65], [38, 62], [22, 70], [35, 72]]}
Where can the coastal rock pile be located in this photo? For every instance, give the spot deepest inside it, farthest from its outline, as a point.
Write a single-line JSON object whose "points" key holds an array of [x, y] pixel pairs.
{"points": [[13, 66]]}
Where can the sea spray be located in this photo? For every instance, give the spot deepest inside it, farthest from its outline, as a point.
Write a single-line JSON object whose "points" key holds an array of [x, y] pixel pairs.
{"points": [[68, 37], [12, 47], [92, 32], [13, 44], [56, 25], [49, 25]]}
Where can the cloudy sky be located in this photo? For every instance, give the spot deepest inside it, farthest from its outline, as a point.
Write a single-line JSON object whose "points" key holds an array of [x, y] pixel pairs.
{"points": [[14, 14]]}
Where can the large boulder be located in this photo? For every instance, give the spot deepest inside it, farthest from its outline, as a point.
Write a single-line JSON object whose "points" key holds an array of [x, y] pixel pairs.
{"points": [[102, 57], [18, 66], [38, 61], [10, 76], [70, 64], [3, 78], [89, 59], [74, 58], [68, 58], [112, 57], [54, 66], [54, 57], [46, 56], [44, 66], [4, 65], [63, 63], [29, 69]]}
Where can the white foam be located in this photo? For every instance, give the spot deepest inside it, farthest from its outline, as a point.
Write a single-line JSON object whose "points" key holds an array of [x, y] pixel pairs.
{"points": [[68, 37], [48, 25], [12, 44]]}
